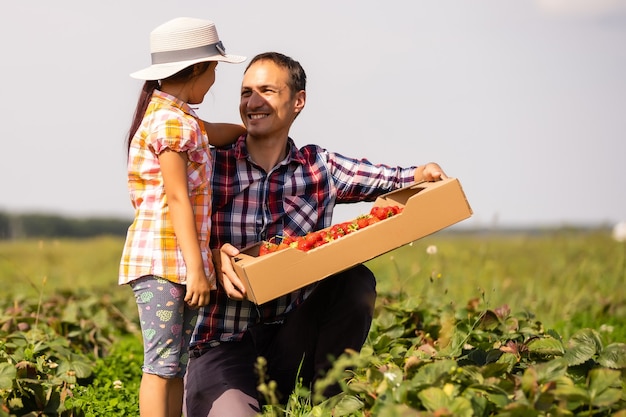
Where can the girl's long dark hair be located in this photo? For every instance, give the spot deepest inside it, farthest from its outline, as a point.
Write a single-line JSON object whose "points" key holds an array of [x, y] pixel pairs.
{"points": [[142, 105], [149, 87]]}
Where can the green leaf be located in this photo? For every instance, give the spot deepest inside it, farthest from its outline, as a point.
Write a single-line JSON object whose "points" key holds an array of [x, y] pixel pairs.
{"points": [[544, 400], [553, 333], [489, 321], [461, 406], [101, 318], [432, 372], [509, 359], [395, 332], [435, 399], [601, 379], [75, 364], [493, 355], [583, 345], [494, 369], [551, 370], [494, 394], [454, 347], [477, 356], [382, 342], [530, 383], [607, 397], [7, 375], [390, 410], [386, 319], [359, 387], [613, 356], [571, 394], [348, 405], [53, 403], [546, 346], [70, 313]]}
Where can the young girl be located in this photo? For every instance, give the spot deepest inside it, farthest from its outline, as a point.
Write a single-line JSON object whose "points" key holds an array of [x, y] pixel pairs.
{"points": [[166, 258]]}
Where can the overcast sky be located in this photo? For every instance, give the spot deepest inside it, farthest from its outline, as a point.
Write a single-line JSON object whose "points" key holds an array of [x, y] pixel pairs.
{"points": [[523, 101]]}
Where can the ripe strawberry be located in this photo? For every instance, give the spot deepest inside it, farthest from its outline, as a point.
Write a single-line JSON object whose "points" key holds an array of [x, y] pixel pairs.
{"points": [[349, 227], [383, 213], [267, 247], [303, 244], [378, 212], [313, 237], [372, 219], [320, 243], [363, 221]]}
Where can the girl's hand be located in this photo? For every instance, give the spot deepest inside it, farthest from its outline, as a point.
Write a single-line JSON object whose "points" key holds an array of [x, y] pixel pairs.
{"points": [[198, 290]]}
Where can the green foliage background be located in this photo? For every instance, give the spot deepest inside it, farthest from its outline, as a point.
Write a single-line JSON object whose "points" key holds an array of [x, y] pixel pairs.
{"points": [[568, 278], [61, 299]]}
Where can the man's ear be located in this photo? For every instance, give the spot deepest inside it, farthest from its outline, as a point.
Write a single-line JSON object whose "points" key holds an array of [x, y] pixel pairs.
{"points": [[300, 101]]}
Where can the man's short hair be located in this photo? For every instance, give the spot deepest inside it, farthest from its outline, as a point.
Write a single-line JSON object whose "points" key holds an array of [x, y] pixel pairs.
{"points": [[297, 76]]}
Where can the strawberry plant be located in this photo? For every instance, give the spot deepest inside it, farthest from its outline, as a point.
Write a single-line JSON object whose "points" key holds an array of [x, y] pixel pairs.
{"points": [[421, 359], [49, 348], [114, 388]]}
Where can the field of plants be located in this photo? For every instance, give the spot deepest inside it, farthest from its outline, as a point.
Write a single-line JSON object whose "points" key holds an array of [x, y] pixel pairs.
{"points": [[467, 324]]}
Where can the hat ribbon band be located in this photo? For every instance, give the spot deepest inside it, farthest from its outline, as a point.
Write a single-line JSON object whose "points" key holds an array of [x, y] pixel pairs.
{"points": [[203, 51]]}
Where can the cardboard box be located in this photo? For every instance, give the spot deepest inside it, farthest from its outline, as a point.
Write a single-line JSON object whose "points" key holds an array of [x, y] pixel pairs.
{"points": [[428, 207]]}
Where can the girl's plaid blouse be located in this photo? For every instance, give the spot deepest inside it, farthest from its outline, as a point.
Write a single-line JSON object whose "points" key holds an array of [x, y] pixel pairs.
{"points": [[151, 247]]}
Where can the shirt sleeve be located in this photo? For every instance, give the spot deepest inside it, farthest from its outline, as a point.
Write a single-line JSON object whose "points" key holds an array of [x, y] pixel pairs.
{"points": [[361, 180], [178, 134]]}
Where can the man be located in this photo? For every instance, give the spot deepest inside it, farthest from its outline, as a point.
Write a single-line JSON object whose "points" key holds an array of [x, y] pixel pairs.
{"points": [[265, 186]]}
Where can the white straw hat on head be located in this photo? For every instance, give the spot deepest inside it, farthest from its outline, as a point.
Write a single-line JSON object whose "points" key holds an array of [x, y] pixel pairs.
{"points": [[182, 42]]}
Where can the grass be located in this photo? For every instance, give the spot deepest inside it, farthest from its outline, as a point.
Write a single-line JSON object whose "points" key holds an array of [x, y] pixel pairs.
{"points": [[64, 264], [569, 279]]}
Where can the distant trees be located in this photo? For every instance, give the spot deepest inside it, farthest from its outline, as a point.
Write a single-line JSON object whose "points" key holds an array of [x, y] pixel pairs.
{"points": [[20, 226]]}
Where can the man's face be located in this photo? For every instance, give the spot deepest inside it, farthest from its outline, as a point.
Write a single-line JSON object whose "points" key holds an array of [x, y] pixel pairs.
{"points": [[267, 105]]}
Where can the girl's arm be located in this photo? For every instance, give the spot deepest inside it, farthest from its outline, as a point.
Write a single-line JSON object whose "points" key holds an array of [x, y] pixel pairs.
{"points": [[221, 134], [174, 170]]}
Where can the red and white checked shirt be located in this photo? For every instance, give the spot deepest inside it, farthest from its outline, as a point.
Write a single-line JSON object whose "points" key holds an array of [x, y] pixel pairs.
{"points": [[151, 247]]}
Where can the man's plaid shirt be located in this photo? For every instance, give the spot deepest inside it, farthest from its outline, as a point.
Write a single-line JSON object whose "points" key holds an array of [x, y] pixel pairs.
{"points": [[296, 197]]}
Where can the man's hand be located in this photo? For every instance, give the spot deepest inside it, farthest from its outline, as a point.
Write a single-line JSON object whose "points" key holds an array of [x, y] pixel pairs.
{"points": [[429, 172], [226, 276]]}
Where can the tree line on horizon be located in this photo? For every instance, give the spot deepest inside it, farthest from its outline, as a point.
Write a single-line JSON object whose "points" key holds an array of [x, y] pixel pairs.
{"points": [[37, 225]]}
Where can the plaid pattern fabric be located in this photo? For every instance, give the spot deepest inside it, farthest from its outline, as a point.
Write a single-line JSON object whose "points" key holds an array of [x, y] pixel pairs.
{"points": [[151, 247], [296, 197]]}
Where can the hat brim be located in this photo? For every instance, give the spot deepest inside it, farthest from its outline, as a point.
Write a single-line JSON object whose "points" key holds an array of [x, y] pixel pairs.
{"points": [[162, 71]]}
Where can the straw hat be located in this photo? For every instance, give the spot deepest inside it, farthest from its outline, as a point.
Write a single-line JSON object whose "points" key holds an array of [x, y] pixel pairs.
{"points": [[182, 42]]}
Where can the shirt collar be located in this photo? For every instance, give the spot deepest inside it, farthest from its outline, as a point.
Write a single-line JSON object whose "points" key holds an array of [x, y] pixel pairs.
{"points": [[174, 102], [294, 154]]}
